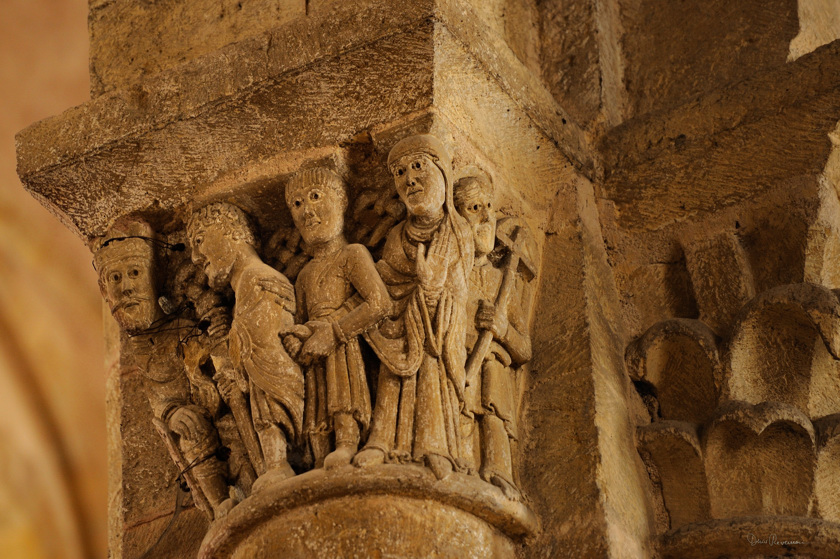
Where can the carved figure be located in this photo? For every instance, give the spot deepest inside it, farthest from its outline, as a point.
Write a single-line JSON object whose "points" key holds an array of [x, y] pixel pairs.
{"points": [[125, 262], [425, 264], [213, 315], [337, 393], [497, 338], [224, 244]]}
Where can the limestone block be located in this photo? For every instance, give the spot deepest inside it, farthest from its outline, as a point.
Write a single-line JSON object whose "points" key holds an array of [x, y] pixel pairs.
{"points": [[782, 349], [577, 388], [173, 152], [819, 24], [753, 537], [679, 357], [827, 476], [760, 460], [725, 148], [672, 450], [721, 278], [677, 50], [569, 57], [661, 291], [129, 40]]}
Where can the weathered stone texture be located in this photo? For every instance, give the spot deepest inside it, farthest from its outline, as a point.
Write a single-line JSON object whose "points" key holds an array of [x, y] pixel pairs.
{"points": [[667, 65], [680, 178], [570, 58], [130, 40]]}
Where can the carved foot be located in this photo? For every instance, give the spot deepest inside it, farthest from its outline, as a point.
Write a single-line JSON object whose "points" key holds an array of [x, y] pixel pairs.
{"points": [[369, 457], [439, 465], [341, 456], [272, 477], [510, 491]]}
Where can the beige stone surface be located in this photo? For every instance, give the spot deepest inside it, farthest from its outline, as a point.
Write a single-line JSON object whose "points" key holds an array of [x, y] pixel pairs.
{"points": [[53, 461], [677, 169]]}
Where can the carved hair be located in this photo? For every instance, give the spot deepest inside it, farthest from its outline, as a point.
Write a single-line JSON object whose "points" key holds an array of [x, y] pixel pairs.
{"points": [[320, 176], [233, 222], [473, 179]]}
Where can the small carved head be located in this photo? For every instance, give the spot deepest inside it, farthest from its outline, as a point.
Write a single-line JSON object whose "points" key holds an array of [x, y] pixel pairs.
{"points": [[420, 165], [218, 232], [125, 262], [317, 199], [474, 200]]}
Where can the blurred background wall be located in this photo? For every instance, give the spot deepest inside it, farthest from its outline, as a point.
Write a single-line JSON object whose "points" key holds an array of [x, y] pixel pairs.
{"points": [[52, 391]]}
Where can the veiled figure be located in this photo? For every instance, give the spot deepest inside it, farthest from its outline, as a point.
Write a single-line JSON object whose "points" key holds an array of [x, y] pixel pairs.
{"points": [[425, 265]]}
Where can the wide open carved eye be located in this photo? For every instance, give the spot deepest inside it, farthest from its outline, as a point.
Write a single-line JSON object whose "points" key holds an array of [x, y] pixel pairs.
{"points": [[415, 165], [133, 273], [116, 277], [400, 172], [474, 207], [298, 203], [316, 195]]}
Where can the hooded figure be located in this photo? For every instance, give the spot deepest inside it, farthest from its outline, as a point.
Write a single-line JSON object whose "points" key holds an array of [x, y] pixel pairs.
{"points": [[425, 265]]}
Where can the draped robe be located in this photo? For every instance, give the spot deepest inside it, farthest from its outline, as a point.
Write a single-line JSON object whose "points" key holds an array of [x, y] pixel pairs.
{"points": [[275, 380], [338, 383], [420, 391]]}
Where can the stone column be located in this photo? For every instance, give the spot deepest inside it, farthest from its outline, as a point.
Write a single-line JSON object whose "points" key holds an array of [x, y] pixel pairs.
{"points": [[654, 199]]}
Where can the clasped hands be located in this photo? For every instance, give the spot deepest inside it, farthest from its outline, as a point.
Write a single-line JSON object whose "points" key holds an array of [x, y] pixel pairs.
{"points": [[307, 342]]}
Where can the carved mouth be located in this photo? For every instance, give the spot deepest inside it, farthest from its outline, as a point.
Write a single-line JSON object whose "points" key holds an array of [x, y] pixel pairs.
{"points": [[312, 223], [129, 304], [414, 190]]}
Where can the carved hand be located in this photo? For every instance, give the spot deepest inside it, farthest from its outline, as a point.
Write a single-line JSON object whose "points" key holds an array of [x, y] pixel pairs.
{"points": [[187, 423], [431, 270], [293, 339], [285, 291], [226, 382], [489, 318], [217, 330], [321, 343]]}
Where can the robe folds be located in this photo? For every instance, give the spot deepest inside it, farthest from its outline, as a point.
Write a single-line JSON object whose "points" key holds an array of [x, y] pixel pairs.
{"points": [[275, 380], [420, 393], [330, 288]]}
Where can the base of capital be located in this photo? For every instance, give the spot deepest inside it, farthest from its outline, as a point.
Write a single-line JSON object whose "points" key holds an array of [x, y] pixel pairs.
{"points": [[387, 510]]}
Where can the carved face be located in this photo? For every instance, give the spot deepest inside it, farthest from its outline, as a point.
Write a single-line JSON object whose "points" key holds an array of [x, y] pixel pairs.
{"points": [[476, 205], [420, 184], [318, 212], [213, 250], [128, 289]]}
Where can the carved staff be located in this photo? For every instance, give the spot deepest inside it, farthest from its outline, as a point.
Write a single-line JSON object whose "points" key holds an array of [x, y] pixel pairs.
{"points": [[518, 261], [184, 469], [241, 411], [235, 398]]}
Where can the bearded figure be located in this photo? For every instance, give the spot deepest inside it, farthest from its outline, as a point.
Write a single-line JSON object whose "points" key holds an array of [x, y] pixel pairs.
{"points": [[125, 261]]}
